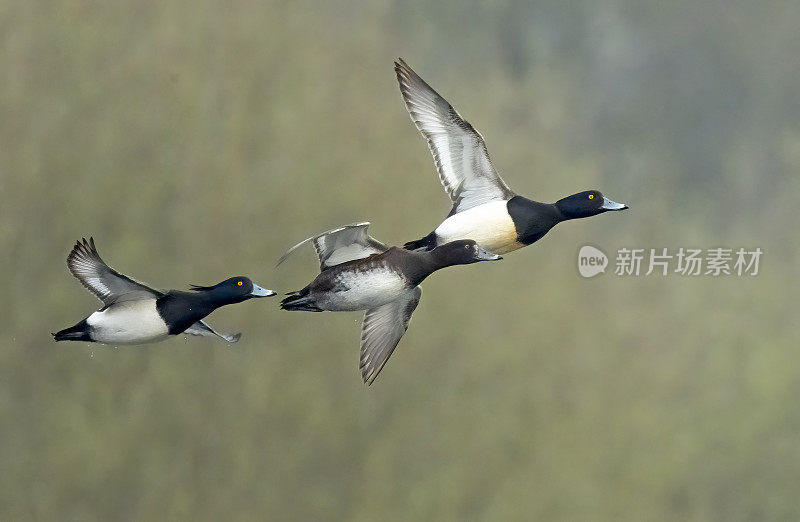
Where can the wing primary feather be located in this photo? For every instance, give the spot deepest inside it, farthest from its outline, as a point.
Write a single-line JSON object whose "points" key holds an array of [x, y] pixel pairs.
{"points": [[85, 263], [458, 149], [340, 245], [382, 329], [201, 328]]}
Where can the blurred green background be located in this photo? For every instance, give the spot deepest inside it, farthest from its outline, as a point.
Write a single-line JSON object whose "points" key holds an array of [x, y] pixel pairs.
{"points": [[199, 140]]}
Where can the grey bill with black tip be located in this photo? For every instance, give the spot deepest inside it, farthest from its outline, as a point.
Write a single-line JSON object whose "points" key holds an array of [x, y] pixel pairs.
{"points": [[484, 255], [612, 205], [261, 292]]}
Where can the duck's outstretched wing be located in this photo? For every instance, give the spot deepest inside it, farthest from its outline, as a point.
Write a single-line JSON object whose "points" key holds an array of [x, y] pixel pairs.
{"points": [[201, 328], [103, 281], [458, 150], [340, 245], [383, 328]]}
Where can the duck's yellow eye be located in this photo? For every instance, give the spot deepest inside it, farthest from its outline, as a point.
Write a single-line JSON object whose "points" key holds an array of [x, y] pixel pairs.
{"points": [[466, 247], [591, 196], [239, 283]]}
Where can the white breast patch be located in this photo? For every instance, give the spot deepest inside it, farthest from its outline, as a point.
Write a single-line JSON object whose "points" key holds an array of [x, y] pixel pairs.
{"points": [[367, 289], [132, 322], [488, 224]]}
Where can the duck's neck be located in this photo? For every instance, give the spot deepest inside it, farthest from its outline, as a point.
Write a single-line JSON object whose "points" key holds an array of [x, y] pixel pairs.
{"points": [[182, 309], [532, 218], [206, 300], [523, 209], [436, 259], [425, 263]]}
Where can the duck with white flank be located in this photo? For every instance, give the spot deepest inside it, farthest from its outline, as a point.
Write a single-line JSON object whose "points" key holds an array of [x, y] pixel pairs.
{"points": [[134, 313], [484, 208], [360, 273]]}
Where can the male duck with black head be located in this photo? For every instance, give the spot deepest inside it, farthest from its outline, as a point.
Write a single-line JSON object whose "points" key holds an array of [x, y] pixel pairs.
{"points": [[358, 272], [484, 208], [134, 313]]}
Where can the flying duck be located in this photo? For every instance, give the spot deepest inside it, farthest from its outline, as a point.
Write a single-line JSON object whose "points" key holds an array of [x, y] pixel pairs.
{"points": [[134, 313], [484, 208], [358, 272]]}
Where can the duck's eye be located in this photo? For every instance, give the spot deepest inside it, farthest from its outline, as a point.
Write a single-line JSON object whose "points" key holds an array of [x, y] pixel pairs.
{"points": [[239, 283], [591, 196], [466, 247]]}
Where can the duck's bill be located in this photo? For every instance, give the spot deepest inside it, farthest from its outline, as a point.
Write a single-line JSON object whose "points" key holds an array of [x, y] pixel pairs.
{"points": [[611, 205], [261, 292], [484, 255]]}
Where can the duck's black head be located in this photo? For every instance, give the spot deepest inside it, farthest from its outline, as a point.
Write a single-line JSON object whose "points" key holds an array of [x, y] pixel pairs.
{"points": [[234, 290], [586, 204], [462, 252]]}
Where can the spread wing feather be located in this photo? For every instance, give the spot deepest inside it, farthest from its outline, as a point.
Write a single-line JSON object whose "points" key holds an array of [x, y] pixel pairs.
{"points": [[458, 150], [103, 281], [201, 328], [340, 245], [383, 328]]}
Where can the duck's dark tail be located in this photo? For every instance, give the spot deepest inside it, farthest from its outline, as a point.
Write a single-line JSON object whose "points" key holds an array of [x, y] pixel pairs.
{"points": [[426, 243], [79, 332], [299, 301]]}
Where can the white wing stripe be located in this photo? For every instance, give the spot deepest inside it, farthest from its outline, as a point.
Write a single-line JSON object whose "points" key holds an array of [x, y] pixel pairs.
{"points": [[459, 152], [341, 244], [108, 285], [382, 330]]}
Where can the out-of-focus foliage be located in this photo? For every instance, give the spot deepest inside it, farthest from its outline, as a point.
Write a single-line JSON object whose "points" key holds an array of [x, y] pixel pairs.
{"points": [[198, 140]]}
